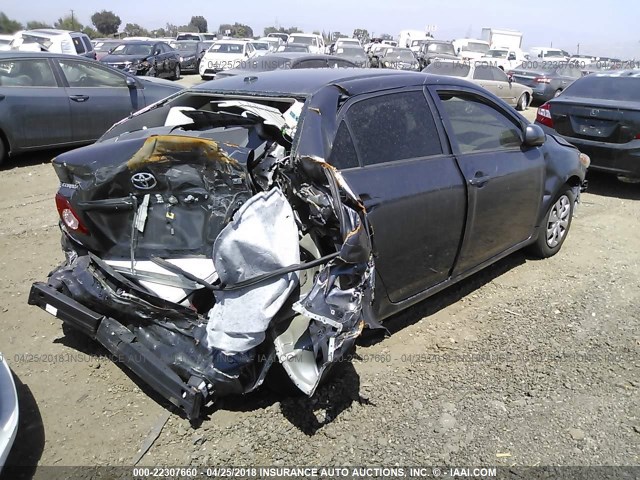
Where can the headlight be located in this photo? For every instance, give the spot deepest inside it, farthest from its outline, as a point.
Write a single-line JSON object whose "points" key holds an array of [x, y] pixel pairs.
{"points": [[181, 59], [584, 160], [387, 64]]}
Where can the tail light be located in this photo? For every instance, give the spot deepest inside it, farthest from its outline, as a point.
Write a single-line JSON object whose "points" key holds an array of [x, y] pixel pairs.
{"points": [[68, 216], [638, 136], [542, 80], [544, 115]]}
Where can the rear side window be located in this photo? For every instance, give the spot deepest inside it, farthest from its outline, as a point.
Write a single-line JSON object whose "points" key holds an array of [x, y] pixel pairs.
{"points": [[343, 154], [482, 72], [87, 43], [393, 127], [26, 73], [499, 75], [79, 46]]}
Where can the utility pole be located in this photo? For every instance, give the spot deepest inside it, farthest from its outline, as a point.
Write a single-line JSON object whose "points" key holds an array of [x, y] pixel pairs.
{"points": [[73, 23], [578, 49]]}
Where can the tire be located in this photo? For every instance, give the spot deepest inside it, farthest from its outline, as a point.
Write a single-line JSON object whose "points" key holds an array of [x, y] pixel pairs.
{"points": [[557, 92], [523, 102], [556, 224], [176, 72], [153, 71]]}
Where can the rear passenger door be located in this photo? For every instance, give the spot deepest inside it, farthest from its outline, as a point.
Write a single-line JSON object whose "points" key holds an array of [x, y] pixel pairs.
{"points": [[503, 85], [482, 76], [99, 97], [389, 149], [34, 108]]}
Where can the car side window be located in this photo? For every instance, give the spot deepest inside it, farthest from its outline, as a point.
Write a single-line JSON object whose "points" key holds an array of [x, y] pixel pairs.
{"points": [[79, 46], [392, 127], [27, 73], [482, 72], [498, 74], [86, 74], [478, 126], [87, 43], [343, 153]]}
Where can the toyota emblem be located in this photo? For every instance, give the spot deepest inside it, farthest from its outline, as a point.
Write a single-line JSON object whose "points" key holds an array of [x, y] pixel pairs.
{"points": [[143, 180]]}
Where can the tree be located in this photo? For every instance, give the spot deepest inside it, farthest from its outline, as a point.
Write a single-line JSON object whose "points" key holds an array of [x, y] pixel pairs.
{"points": [[90, 32], [135, 30], [187, 28], [35, 24], [237, 30], [386, 36], [361, 34], [200, 23], [7, 25], [289, 30], [171, 30], [68, 23], [106, 22]]}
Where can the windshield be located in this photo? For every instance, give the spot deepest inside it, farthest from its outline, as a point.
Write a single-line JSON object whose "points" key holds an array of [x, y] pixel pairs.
{"points": [[355, 52], [607, 87], [260, 45], [554, 53], [441, 48], [293, 48], [476, 47], [227, 48], [497, 53], [188, 36], [133, 49], [303, 40], [449, 69], [184, 46], [416, 43], [402, 55]]}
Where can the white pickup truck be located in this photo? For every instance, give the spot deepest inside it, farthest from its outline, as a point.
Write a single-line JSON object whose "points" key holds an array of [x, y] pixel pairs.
{"points": [[504, 58]]}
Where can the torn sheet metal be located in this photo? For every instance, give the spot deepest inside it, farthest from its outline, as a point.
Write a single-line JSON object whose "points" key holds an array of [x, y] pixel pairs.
{"points": [[262, 238]]}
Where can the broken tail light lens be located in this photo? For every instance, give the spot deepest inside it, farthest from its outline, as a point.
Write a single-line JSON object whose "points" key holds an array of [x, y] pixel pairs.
{"points": [[544, 115], [68, 216]]}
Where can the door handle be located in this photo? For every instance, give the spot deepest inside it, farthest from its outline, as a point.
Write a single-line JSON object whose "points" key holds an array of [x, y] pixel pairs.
{"points": [[479, 179], [79, 98]]}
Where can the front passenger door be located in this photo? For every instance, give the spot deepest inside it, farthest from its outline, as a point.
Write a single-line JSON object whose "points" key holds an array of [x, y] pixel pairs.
{"points": [[504, 178], [99, 97]]}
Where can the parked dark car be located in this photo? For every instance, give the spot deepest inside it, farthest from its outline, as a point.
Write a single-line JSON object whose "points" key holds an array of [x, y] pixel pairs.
{"points": [[353, 54], [548, 82], [396, 58], [217, 234], [600, 114], [287, 61], [155, 59], [432, 50], [190, 54], [49, 100]]}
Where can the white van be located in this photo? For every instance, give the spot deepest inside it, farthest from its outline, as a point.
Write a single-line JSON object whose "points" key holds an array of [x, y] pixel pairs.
{"points": [[314, 42], [470, 48], [55, 41]]}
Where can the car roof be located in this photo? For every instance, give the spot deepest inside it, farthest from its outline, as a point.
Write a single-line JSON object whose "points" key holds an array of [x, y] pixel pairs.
{"points": [[233, 42], [18, 54], [305, 82], [140, 42]]}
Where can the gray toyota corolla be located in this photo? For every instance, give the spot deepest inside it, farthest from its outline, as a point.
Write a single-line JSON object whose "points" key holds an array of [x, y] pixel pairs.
{"points": [[260, 222]]}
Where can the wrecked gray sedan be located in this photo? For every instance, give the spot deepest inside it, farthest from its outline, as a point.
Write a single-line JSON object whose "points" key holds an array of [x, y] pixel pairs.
{"points": [[266, 220]]}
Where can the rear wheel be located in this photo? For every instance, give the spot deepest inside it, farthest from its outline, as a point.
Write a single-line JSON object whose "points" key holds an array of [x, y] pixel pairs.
{"points": [[556, 225], [176, 72], [523, 102]]}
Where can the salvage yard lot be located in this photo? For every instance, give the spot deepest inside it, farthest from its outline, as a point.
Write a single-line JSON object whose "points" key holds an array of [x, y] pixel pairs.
{"points": [[528, 363]]}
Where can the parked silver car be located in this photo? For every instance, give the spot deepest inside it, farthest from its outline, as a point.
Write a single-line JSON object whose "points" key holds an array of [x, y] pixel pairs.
{"points": [[487, 76]]}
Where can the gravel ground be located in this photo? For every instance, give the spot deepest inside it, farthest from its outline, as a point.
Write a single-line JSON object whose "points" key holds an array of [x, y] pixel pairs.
{"points": [[526, 363]]}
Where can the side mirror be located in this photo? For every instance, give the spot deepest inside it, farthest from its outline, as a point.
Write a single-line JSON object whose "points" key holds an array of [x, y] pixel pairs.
{"points": [[510, 77], [156, 52], [534, 136], [131, 82]]}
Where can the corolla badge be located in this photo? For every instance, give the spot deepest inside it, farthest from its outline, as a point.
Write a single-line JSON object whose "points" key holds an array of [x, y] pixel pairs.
{"points": [[143, 180]]}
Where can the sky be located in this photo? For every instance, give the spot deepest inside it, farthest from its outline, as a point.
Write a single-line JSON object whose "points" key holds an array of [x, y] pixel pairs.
{"points": [[601, 28]]}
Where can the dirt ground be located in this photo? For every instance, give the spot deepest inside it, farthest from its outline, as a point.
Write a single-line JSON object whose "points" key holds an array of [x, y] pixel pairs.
{"points": [[527, 363]]}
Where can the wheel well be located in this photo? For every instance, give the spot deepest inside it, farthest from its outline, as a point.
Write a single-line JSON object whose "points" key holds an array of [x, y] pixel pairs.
{"points": [[574, 181], [5, 141]]}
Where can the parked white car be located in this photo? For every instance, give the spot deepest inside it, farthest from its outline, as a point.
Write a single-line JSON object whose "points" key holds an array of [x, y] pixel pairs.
{"points": [[540, 53], [262, 48], [8, 411], [5, 42], [225, 55], [314, 42], [274, 42]]}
